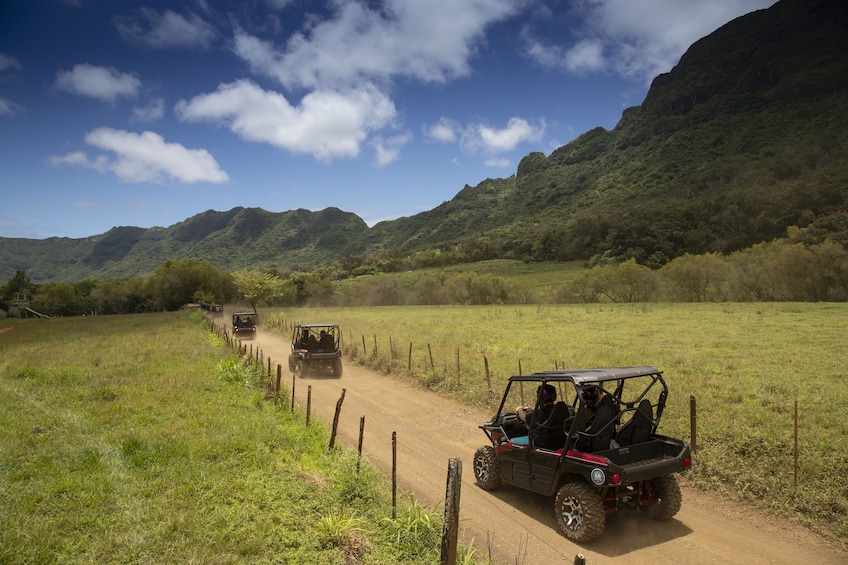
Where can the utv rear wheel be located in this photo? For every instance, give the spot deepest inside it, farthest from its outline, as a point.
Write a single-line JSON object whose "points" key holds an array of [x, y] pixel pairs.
{"points": [[580, 512], [486, 468], [337, 367], [666, 496]]}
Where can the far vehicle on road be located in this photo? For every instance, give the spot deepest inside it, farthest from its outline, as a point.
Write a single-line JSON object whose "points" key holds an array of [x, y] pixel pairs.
{"points": [[589, 438], [244, 325], [316, 348]]}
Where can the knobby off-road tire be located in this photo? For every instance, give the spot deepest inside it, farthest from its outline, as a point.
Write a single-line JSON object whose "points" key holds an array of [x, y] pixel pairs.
{"points": [[337, 367], [667, 498], [580, 512], [487, 471]]}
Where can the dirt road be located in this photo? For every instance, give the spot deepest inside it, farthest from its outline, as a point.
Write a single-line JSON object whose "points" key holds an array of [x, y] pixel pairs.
{"points": [[517, 527]]}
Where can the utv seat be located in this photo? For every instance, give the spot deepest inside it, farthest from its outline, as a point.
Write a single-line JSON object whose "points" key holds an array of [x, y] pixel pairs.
{"points": [[550, 434], [600, 428], [638, 429]]}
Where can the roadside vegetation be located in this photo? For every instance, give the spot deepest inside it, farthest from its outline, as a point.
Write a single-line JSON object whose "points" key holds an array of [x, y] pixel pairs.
{"points": [[808, 266], [142, 439], [745, 364]]}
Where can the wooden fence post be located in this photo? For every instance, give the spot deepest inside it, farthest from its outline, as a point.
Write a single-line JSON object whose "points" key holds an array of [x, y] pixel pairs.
{"points": [[336, 420], [432, 366], [375, 346], [458, 371], [409, 364], [450, 529], [394, 475], [795, 483], [693, 423], [364, 352], [292, 398], [488, 375], [519, 367], [277, 387], [308, 403], [361, 435]]}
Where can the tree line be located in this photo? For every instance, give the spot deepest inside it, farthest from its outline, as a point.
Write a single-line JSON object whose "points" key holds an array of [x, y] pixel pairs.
{"points": [[781, 270]]}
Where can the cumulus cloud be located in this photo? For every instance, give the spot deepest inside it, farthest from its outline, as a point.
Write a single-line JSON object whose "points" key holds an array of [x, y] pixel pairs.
{"points": [[636, 38], [9, 108], [152, 112], [445, 130], [499, 163], [516, 131], [144, 157], [429, 41], [9, 63], [482, 138], [102, 83], [327, 124], [166, 30], [388, 150]]}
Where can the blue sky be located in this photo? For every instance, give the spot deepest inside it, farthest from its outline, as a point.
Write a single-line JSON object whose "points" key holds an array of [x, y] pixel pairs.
{"points": [[147, 113]]}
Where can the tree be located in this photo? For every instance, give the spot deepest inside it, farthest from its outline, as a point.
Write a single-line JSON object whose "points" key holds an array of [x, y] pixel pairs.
{"points": [[19, 285], [258, 287], [176, 283], [695, 278]]}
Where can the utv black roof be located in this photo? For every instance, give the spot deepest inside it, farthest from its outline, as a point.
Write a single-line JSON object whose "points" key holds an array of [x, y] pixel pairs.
{"points": [[581, 376]]}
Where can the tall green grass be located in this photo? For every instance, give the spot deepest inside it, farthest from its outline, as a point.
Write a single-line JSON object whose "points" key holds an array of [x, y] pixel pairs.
{"points": [[141, 439], [745, 364]]}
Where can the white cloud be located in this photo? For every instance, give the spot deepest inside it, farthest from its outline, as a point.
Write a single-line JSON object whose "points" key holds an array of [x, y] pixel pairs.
{"points": [[144, 157], [636, 38], [429, 41], [9, 108], [585, 57], [388, 150], [166, 30], [102, 83], [500, 163], [9, 63], [327, 124], [445, 130], [152, 112], [481, 138], [279, 4], [491, 140]]}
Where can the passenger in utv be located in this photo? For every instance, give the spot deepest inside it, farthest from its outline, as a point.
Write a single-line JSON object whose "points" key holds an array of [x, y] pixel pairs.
{"points": [[325, 341], [546, 422]]}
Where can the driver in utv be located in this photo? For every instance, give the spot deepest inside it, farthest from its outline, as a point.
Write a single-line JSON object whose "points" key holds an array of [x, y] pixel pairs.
{"points": [[545, 423]]}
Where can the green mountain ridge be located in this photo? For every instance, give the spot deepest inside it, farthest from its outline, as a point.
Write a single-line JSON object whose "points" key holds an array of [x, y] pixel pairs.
{"points": [[745, 137]]}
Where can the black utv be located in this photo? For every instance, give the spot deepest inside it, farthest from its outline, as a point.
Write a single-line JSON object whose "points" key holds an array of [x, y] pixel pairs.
{"points": [[244, 325], [316, 348], [589, 438]]}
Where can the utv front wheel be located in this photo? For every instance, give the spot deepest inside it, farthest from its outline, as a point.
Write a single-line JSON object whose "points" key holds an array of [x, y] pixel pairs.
{"points": [[580, 512], [486, 468], [664, 499]]}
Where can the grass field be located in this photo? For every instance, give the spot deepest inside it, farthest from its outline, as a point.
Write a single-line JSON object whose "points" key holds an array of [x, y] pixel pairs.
{"points": [[745, 364], [142, 439]]}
